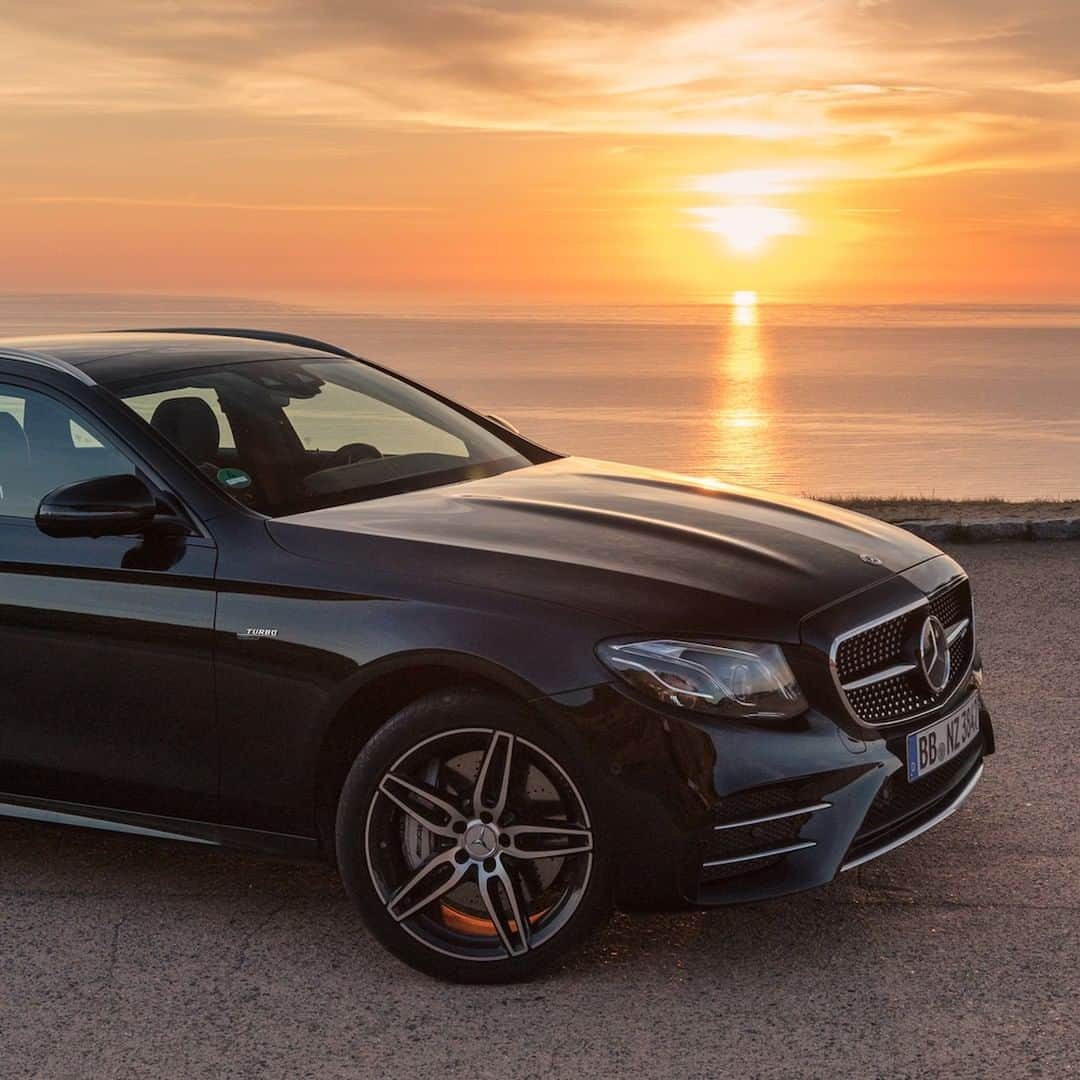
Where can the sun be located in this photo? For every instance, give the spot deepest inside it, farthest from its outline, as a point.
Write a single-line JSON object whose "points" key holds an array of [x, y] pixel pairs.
{"points": [[747, 228], [744, 307]]}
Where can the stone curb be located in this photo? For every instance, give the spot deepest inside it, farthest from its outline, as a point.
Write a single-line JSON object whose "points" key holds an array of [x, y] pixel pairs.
{"points": [[986, 532]]}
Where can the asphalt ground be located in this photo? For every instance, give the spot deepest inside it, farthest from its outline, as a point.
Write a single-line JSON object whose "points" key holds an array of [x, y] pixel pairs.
{"points": [[957, 955]]}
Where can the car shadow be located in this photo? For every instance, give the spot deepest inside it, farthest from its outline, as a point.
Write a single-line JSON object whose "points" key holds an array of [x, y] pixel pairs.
{"points": [[232, 899]]}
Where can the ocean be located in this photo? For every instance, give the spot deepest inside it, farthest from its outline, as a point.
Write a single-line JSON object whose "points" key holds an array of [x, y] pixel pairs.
{"points": [[938, 401]]}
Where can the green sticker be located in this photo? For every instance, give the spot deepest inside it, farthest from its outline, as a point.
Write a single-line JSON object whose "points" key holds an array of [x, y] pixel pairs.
{"points": [[233, 478]]}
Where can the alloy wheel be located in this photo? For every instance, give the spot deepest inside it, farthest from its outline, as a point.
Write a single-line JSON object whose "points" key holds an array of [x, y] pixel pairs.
{"points": [[479, 844]]}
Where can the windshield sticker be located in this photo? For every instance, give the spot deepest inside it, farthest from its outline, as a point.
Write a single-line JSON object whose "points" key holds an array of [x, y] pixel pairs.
{"points": [[236, 479]]}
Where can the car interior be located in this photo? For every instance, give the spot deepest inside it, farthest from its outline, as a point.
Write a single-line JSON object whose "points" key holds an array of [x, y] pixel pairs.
{"points": [[282, 439]]}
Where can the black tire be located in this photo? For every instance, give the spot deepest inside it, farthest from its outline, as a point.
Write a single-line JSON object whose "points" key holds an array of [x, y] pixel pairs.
{"points": [[440, 744]]}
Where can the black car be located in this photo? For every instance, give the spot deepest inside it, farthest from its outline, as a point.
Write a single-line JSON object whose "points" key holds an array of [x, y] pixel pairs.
{"points": [[258, 593]]}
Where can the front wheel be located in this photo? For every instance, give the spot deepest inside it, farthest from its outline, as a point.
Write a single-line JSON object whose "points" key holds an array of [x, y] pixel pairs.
{"points": [[465, 837]]}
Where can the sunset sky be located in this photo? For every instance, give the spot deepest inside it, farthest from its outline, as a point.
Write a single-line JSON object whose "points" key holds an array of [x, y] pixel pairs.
{"points": [[519, 152]]}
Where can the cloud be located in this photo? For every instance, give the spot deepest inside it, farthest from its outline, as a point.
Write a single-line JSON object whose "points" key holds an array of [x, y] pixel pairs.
{"points": [[924, 84], [203, 204]]}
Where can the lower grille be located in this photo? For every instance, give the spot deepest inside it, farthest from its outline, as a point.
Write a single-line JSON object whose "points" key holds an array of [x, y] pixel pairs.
{"points": [[787, 795], [739, 869], [756, 828], [901, 804], [899, 797], [747, 839]]}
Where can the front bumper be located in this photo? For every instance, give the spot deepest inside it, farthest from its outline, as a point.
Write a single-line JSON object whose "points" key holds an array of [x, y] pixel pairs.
{"points": [[934, 813], [706, 813]]}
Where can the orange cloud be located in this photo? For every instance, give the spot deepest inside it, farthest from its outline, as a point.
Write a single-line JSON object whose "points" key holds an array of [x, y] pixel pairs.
{"points": [[529, 149]]}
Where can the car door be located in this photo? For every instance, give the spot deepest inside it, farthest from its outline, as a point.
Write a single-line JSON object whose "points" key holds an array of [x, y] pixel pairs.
{"points": [[106, 665]]}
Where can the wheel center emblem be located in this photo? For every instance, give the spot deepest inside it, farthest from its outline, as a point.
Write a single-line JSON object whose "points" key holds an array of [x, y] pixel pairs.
{"points": [[480, 842], [934, 654]]}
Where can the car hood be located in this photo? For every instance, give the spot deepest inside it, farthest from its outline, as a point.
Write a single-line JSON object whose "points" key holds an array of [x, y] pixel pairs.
{"points": [[648, 550]]}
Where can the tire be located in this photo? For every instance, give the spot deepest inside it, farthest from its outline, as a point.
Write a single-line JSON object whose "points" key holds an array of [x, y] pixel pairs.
{"points": [[506, 872]]}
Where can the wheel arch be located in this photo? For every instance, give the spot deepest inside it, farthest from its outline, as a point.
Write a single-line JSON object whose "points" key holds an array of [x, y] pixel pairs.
{"points": [[378, 693]]}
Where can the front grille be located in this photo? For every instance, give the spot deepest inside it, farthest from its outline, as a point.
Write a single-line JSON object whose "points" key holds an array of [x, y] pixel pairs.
{"points": [[952, 605], [868, 656], [871, 650]]}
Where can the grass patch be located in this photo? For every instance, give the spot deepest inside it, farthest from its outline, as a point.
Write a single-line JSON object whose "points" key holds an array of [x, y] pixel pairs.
{"points": [[917, 508]]}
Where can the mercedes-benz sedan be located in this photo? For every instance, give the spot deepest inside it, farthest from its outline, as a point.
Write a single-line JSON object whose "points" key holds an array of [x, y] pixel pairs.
{"points": [[255, 592]]}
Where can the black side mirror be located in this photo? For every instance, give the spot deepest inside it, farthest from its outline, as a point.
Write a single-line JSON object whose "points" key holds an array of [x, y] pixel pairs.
{"points": [[105, 506]]}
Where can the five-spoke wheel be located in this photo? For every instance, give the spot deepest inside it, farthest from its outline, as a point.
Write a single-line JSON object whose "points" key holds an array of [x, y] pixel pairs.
{"points": [[478, 846]]}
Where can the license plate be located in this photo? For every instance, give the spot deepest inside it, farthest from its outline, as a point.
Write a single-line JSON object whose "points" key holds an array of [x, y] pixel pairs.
{"points": [[930, 748]]}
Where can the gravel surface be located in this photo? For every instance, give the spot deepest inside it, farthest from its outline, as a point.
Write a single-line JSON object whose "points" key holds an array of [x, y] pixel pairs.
{"points": [[955, 956]]}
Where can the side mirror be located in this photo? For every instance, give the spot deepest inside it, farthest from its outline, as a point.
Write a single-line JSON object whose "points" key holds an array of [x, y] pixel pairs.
{"points": [[503, 423], [105, 506]]}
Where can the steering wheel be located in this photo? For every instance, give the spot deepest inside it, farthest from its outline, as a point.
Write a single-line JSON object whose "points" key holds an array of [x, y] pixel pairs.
{"points": [[351, 453]]}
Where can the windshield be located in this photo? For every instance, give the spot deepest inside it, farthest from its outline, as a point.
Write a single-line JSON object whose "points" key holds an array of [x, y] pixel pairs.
{"points": [[284, 436]]}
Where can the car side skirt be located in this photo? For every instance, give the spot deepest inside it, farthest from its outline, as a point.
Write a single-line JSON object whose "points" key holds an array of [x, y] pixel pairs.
{"points": [[158, 828]]}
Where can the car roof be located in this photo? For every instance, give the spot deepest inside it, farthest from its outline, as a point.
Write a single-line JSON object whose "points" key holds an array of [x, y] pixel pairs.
{"points": [[111, 357]]}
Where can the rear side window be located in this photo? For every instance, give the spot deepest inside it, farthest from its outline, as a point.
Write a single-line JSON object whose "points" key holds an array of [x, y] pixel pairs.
{"points": [[43, 445], [13, 406]]}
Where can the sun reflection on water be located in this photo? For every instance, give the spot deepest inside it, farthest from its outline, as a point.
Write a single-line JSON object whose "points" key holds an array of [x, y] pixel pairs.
{"points": [[743, 450]]}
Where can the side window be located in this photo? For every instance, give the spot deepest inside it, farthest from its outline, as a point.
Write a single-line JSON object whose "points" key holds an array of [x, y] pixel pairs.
{"points": [[43, 444]]}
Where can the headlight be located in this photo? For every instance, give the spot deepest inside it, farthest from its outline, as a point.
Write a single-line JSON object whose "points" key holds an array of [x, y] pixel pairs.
{"points": [[737, 679]]}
